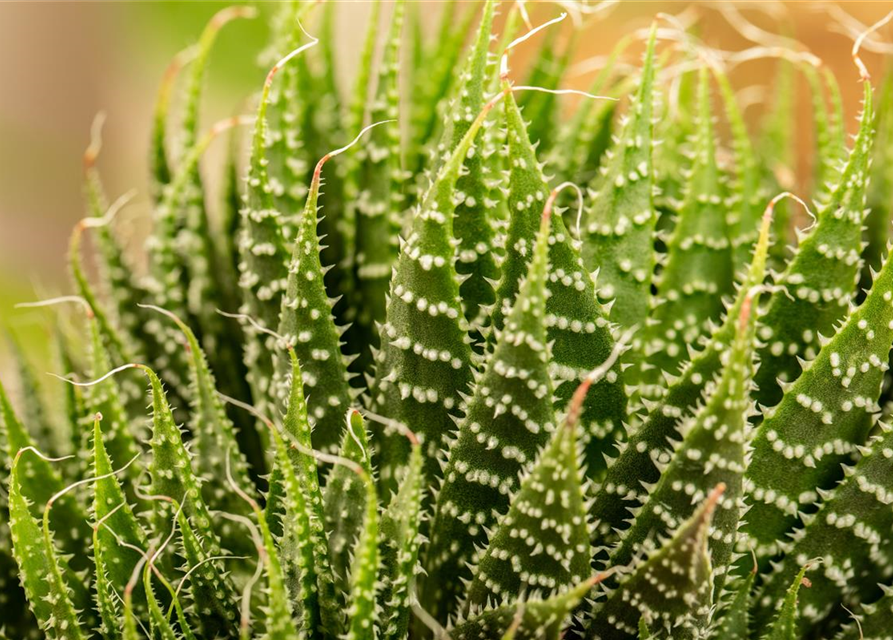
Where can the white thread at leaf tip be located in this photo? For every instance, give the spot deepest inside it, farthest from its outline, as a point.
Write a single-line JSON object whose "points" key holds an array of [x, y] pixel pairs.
{"points": [[80, 483], [757, 53], [388, 422], [503, 63], [205, 561], [863, 70], [95, 145], [98, 380], [522, 7], [795, 198], [856, 620], [254, 323], [170, 314], [313, 453], [101, 522], [111, 213], [850, 26], [235, 485], [276, 67], [170, 536], [41, 455], [52, 301], [365, 130], [561, 92], [620, 346], [226, 124], [440, 633], [750, 31]]}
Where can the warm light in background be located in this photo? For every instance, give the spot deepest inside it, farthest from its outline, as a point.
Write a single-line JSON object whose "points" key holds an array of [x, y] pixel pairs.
{"points": [[62, 62]]}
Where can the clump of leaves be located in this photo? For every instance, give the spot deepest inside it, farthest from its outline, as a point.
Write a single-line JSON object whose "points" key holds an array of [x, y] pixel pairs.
{"points": [[446, 399]]}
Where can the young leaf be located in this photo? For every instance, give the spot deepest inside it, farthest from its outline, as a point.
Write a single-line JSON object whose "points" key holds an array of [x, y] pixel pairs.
{"points": [[747, 189], [822, 417], [671, 590], [649, 446], [524, 620], [879, 219], [38, 482], [173, 476], [830, 147], [510, 411], [712, 452], [817, 285], [424, 365], [577, 325], [542, 543], [307, 323], [734, 619], [49, 592], [263, 264], [380, 201], [364, 584], [784, 627], [849, 534], [698, 269], [115, 524], [345, 498], [104, 398], [618, 237], [401, 541], [473, 223], [35, 416], [214, 439], [305, 554]]}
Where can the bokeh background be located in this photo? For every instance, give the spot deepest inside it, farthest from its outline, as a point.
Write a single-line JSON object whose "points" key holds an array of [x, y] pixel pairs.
{"points": [[62, 62]]}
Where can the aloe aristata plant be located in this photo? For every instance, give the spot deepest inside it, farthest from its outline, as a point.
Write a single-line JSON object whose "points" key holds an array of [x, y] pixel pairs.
{"points": [[415, 382]]}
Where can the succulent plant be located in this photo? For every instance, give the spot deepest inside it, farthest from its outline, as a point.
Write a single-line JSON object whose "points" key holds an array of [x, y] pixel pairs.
{"points": [[410, 385]]}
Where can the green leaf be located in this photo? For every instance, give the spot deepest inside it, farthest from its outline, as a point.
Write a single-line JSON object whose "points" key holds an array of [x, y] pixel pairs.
{"points": [[879, 219], [364, 584], [849, 533], [115, 524], [671, 590], [577, 325], [618, 238], [697, 272], [524, 620], [38, 482], [307, 324], [784, 627], [838, 388], [380, 201], [35, 415], [542, 543], [876, 621], [105, 398], [830, 146], [41, 570], [305, 554], [345, 499], [509, 419], [734, 619], [649, 446], [173, 476], [747, 189], [477, 187], [424, 364], [400, 543], [816, 288], [712, 452], [214, 440], [263, 255]]}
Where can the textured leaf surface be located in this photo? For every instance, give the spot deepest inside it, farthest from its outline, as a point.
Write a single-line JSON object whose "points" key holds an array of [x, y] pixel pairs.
{"points": [[511, 407]]}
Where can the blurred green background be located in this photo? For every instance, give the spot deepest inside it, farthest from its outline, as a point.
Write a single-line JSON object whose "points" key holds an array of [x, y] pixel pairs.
{"points": [[62, 62]]}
